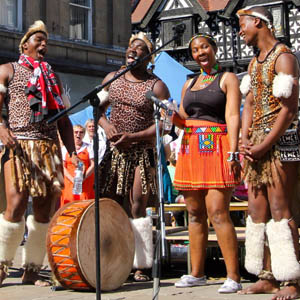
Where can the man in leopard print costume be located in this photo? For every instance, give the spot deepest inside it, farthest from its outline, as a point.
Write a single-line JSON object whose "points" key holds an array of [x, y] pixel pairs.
{"points": [[271, 148], [127, 172], [31, 160]]}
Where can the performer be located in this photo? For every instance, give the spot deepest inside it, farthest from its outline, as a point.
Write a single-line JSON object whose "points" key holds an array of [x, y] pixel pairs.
{"points": [[271, 148], [32, 164], [86, 154], [208, 165], [127, 170]]}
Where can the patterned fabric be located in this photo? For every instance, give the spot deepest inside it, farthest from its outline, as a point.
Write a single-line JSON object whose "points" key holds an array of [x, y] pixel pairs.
{"points": [[19, 111], [266, 108], [208, 137], [130, 110], [260, 172], [36, 166], [42, 89], [202, 162], [116, 171]]}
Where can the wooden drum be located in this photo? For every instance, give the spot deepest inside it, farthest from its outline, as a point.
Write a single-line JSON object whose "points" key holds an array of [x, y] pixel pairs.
{"points": [[71, 245]]}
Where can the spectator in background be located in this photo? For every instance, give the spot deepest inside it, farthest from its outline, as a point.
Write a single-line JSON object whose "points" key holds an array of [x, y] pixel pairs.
{"points": [[89, 134], [86, 155]]}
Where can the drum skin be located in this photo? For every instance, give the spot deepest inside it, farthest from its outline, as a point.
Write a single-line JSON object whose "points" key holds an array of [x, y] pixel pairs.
{"points": [[71, 245]]}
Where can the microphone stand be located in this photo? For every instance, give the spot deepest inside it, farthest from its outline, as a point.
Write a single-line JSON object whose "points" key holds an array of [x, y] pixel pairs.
{"points": [[160, 253], [94, 101]]}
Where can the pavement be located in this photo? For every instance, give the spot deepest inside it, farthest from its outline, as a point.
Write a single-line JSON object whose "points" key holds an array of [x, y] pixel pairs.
{"points": [[12, 288]]}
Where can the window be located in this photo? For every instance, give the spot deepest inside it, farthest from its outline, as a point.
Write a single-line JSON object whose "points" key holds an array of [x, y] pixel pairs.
{"points": [[11, 14], [81, 20]]}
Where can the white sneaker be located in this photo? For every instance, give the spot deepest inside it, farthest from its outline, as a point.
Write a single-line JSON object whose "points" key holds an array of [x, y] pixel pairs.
{"points": [[190, 280], [229, 286]]}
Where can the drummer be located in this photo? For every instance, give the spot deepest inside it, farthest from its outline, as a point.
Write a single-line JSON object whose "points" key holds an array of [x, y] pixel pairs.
{"points": [[127, 171], [32, 164]]}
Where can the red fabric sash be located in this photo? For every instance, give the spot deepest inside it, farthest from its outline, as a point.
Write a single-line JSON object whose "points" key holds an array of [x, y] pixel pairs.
{"points": [[42, 89]]}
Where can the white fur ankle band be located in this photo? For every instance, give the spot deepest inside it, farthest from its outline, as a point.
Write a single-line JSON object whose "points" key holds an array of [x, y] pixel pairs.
{"points": [[11, 235], [142, 229], [283, 85], [254, 244], [245, 85], [35, 247], [3, 88], [283, 258]]}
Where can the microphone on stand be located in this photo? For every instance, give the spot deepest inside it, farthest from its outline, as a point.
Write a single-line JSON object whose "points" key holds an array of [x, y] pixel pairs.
{"points": [[151, 96]]}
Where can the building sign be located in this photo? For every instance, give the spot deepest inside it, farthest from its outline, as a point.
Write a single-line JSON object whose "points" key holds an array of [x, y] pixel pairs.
{"points": [[114, 61]]}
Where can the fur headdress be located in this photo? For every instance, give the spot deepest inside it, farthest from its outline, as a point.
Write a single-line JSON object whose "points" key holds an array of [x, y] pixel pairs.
{"points": [[142, 36], [37, 26]]}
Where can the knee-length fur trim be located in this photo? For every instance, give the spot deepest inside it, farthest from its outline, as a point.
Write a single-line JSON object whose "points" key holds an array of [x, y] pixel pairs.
{"points": [[35, 247], [254, 244], [283, 258], [11, 235]]}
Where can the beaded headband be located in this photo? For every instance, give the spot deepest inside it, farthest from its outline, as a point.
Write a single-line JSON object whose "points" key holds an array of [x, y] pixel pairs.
{"points": [[248, 12], [199, 35]]}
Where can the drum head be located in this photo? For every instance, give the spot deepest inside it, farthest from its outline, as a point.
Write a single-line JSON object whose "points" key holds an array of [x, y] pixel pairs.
{"points": [[117, 245]]}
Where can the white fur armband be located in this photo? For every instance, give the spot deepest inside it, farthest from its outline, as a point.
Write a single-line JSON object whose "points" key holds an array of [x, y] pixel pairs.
{"points": [[283, 85], [103, 96], [245, 85], [66, 100], [3, 88]]}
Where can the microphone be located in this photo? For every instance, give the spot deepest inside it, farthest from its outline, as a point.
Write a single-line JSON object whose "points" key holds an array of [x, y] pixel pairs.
{"points": [[151, 96]]}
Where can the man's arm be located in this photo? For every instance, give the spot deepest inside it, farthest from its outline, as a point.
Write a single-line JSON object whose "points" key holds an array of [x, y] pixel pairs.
{"points": [[6, 136], [109, 129], [65, 129]]}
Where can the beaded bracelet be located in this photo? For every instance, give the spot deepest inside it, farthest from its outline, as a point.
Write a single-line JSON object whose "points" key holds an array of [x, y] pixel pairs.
{"points": [[233, 156]]}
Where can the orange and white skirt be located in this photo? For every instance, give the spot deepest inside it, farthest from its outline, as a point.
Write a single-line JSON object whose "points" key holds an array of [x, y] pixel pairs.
{"points": [[202, 160]]}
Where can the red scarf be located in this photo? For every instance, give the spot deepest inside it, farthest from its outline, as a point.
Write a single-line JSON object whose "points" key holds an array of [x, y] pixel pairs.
{"points": [[42, 89]]}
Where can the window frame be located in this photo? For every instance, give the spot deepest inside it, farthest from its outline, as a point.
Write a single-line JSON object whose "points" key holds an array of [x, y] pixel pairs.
{"points": [[89, 22], [19, 18]]}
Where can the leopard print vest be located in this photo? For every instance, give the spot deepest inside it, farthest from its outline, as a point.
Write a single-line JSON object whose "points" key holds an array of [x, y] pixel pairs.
{"points": [[266, 106], [131, 111], [19, 111]]}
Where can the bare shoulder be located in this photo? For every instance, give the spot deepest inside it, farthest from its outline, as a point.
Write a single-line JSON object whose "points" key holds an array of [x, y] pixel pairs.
{"points": [[287, 63], [6, 72], [161, 90], [108, 77], [230, 79]]}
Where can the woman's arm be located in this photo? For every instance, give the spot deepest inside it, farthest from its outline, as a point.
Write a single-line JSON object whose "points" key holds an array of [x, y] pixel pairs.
{"points": [[232, 109], [90, 169]]}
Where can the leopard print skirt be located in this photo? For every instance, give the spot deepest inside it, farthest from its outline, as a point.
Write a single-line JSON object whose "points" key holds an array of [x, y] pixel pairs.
{"points": [[116, 170], [36, 166], [265, 170]]}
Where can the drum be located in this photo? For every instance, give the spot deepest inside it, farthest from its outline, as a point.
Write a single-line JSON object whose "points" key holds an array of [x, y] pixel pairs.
{"points": [[71, 245]]}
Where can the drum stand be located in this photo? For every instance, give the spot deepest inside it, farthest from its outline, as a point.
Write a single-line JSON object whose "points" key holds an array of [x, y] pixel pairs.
{"points": [[94, 101], [160, 253]]}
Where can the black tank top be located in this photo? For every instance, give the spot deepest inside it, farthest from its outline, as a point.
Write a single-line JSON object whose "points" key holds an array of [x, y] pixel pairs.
{"points": [[206, 104]]}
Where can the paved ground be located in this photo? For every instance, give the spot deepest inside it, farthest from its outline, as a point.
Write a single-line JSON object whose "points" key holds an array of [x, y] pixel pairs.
{"points": [[14, 290]]}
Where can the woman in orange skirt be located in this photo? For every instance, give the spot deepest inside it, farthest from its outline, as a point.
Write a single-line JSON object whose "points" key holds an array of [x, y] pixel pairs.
{"points": [[86, 155], [208, 165]]}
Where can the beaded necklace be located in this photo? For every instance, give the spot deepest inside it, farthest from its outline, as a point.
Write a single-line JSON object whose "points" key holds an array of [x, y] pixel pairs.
{"points": [[208, 77]]}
